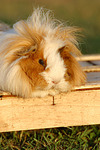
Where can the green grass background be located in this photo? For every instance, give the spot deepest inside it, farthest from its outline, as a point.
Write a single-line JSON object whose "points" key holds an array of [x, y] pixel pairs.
{"points": [[81, 13]]}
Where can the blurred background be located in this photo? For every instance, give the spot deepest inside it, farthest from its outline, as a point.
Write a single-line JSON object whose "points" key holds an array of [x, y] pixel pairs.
{"points": [[81, 13]]}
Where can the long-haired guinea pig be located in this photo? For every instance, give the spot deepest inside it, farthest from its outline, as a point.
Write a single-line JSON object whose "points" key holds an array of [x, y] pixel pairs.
{"points": [[37, 57]]}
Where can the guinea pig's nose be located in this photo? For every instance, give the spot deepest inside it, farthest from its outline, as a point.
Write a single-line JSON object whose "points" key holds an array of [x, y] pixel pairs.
{"points": [[55, 82]]}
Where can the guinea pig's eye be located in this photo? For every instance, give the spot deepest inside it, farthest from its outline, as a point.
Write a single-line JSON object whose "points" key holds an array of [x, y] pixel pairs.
{"points": [[41, 62], [33, 50]]}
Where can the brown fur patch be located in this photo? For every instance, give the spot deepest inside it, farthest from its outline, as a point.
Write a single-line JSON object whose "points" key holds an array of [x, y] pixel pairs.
{"points": [[33, 68]]}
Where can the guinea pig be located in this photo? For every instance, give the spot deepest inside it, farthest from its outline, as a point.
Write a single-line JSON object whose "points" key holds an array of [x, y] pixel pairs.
{"points": [[38, 57]]}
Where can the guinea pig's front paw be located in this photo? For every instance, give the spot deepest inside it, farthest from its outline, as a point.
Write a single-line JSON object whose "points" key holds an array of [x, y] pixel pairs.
{"points": [[39, 93], [53, 92]]}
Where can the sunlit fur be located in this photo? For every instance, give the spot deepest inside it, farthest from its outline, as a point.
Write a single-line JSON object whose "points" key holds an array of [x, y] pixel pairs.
{"points": [[40, 37]]}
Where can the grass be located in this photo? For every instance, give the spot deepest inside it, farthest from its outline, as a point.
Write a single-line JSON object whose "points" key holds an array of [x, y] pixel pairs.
{"points": [[85, 14], [72, 138]]}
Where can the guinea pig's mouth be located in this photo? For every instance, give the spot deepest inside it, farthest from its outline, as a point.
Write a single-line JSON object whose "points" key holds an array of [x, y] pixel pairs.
{"points": [[62, 86]]}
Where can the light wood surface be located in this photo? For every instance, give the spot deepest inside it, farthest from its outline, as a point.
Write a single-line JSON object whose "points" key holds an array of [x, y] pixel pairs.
{"points": [[71, 109], [92, 57]]}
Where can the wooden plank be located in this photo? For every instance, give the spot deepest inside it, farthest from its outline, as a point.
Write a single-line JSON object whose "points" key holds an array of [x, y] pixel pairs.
{"points": [[91, 69], [88, 86], [93, 57], [70, 109]]}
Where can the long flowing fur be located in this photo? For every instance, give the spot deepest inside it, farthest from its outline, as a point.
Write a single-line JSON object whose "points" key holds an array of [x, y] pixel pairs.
{"points": [[40, 37]]}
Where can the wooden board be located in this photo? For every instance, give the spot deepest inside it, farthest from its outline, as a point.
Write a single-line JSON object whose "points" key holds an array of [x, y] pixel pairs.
{"points": [[79, 107], [71, 109], [89, 57]]}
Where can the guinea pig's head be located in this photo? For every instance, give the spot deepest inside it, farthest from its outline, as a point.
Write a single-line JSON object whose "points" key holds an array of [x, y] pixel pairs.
{"points": [[62, 70], [44, 54]]}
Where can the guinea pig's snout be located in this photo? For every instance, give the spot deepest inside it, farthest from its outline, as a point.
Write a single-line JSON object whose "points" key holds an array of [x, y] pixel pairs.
{"points": [[55, 82]]}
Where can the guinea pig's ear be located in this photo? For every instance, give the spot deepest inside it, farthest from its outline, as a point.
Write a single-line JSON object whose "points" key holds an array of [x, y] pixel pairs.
{"points": [[72, 48], [70, 35]]}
